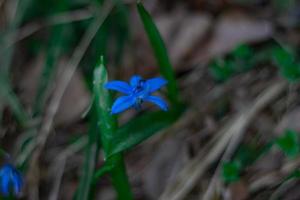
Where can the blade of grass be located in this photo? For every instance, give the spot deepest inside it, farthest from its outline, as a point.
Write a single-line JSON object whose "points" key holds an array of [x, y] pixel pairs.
{"points": [[139, 129], [53, 52], [160, 52], [92, 152], [6, 51], [108, 127], [102, 171], [51, 110], [11, 99]]}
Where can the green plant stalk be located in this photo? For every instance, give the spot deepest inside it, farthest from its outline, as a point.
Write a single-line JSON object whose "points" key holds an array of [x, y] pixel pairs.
{"points": [[10, 98], [54, 51], [108, 127], [161, 53], [119, 177], [92, 152]]}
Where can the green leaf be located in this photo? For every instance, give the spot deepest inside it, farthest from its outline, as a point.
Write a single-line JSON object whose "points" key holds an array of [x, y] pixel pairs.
{"points": [[220, 70], [3, 153], [141, 128], [102, 171], [53, 52], [289, 143], [248, 153], [230, 171], [108, 126], [92, 148], [10, 98], [243, 51], [108, 123], [160, 52], [293, 175], [287, 64]]}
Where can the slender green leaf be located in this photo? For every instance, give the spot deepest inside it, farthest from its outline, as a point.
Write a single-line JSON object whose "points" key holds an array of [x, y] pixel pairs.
{"points": [[108, 122], [243, 51], [230, 171], [286, 62], [108, 126], [220, 70], [102, 171], [6, 49], [293, 175], [9, 97], [289, 143], [141, 128], [53, 52], [160, 52], [92, 149]]}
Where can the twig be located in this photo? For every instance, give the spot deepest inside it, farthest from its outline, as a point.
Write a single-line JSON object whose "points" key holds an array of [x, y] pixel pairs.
{"points": [[230, 149], [189, 175], [59, 174], [57, 168], [275, 177], [69, 151]]}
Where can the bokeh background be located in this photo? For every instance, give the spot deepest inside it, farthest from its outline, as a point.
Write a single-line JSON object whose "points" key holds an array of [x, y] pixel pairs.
{"points": [[237, 67]]}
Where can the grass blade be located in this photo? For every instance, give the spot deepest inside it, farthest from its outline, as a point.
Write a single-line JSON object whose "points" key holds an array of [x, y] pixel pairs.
{"points": [[10, 98], [139, 129], [54, 51], [108, 127], [160, 52]]}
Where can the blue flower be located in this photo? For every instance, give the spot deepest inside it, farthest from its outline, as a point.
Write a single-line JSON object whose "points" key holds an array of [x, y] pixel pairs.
{"points": [[138, 91], [10, 180]]}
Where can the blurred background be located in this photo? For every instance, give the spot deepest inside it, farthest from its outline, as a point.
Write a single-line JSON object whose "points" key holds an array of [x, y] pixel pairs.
{"points": [[237, 67]]}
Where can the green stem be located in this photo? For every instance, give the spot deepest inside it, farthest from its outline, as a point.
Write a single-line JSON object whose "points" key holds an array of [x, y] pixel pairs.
{"points": [[108, 127], [119, 178]]}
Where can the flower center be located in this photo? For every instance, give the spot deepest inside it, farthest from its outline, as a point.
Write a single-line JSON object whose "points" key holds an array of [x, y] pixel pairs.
{"points": [[140, 87]]}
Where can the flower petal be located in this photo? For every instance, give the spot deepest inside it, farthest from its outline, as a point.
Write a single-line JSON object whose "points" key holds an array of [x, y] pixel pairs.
{"points": [[155, 83], [135, 80], [4, 184], [119, 86], [157, 101], [122, 103], [17, 182]]}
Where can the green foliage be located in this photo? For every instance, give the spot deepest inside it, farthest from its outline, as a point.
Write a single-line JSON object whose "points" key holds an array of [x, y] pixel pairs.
{"points": [[241, 59], [9, 98], [108, 125], [113, 36], [160, 52], [2, 152], [141, 128], [286, 61], [93, 145], [245, 156], [284, 5], [243, 52], [221, 70], [293, 175], [102, 171], [289, 143], [231, 171], [54, 52]]}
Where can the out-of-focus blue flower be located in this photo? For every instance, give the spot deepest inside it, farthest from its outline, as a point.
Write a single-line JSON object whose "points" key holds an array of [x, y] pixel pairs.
{"points": [[138, 91], [10, 180]]}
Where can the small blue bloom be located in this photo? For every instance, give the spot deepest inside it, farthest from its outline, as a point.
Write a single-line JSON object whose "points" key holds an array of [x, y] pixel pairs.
{"points": [[138, 91], [10, 180]]}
